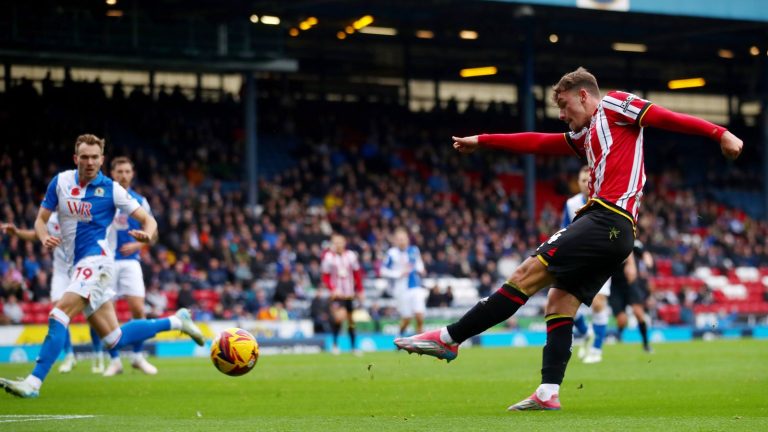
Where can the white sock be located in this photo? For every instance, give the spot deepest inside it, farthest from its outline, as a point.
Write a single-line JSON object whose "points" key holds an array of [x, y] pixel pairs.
{"points": [[445, 337], [33, 381], [175, 322], [546, 391]]}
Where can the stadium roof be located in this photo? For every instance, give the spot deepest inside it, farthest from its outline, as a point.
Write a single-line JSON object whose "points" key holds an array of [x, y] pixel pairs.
{"points": [[201, 35]]}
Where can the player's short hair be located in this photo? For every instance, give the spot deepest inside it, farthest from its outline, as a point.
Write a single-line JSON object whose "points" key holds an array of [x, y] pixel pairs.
{"points": [[584, 169], [119, 161], [580, 78], [401, 230], [89, 139]]}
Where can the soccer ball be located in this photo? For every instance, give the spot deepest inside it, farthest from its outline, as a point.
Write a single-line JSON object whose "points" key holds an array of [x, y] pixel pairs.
{"points": [[234, 352]]}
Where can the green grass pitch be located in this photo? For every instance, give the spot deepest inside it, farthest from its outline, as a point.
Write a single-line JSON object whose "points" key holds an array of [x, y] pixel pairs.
{"points": [[698, 386]]}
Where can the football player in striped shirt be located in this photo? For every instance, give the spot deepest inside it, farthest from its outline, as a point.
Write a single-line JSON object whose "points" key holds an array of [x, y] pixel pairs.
{"points": [[607, 132], [341, 273]]}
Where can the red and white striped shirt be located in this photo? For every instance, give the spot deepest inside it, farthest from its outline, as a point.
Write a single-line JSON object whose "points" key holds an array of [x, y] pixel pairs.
{"points": [[341, 273], [613, 147]]}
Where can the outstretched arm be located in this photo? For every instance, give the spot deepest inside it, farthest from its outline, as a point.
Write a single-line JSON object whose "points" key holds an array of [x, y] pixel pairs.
{"points": [[524, 142], [12, 230], [663, 118]]}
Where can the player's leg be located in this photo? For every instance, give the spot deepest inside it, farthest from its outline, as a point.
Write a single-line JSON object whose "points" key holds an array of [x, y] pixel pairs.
{"points": [[527, 279], [338, 316], [600, 316], [403, 309], [115, 366], [349, 307], [131, 287], [97, 348], [642, 325], [560, 310], [419, 307], [136, 305], [70, 305], [59, 282]]}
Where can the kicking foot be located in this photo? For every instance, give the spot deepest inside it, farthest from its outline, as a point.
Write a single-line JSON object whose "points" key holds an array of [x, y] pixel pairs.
{"points": [[428, 343], [188, 326], [533, 403]]}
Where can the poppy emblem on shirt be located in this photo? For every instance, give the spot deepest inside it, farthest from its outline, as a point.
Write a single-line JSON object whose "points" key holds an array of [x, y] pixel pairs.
{"points": [[75, 191], [99, 192]]}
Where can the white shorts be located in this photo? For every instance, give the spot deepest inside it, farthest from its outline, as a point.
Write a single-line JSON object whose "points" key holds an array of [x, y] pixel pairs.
{"points": [[59, 282], [411, 301], [129, 280], [606, 289], [91, 279]]}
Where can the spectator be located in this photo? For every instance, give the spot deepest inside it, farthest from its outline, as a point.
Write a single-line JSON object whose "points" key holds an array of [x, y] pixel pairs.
{"points": [[12, 310]]}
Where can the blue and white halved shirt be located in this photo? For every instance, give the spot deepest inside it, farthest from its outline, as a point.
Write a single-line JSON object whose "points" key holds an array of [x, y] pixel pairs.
{"points": [[86, 213], [122, 224], [398, 261]]}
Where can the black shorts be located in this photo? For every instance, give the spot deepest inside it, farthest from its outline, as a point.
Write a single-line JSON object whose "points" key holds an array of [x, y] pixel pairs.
{"points": [[584, 255], [345, 303], [624, 294]]}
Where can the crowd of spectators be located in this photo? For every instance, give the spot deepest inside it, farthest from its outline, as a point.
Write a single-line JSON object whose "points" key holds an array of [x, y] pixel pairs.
{"points": [[360, 168]]}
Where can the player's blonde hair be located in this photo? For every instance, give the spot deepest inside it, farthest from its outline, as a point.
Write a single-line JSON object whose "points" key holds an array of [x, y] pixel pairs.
{"points": [[89, 139], [578, 79]]}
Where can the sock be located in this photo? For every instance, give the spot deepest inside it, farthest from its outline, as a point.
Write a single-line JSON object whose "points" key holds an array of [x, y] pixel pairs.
{"points": [[138, 348], [600, 327], [114, 353], [141, 330], [643, 327], [352, 336], [67, 343], [95, 341], [445, 337], [619, 332], [546, 391], [335, 329], [580, 325], [52, 345], [175, 322], [557, 351], [488, 312]]}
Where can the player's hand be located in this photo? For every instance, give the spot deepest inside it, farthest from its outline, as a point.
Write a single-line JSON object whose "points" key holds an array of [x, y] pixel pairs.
{"points": [[131, 248], [51, 242], [466, 144], [731, 145], [8, 229], [140, 235]]}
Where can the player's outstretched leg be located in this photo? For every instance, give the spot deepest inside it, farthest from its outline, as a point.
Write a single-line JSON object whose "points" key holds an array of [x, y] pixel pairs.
{"points": [[557, 352], [139, 330], [69, 355], [444, 343], [97, 365]]}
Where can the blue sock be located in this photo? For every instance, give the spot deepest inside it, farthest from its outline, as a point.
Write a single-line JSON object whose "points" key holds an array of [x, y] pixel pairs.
{"points": [[96, 341], [67, 343], [600, 331], [580, 326], [138, 347], [141, 330], [52, 346], [113, 353]]}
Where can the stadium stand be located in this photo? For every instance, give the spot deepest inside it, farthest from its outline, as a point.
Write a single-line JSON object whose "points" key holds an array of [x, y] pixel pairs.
{"points": [[362, 168]]}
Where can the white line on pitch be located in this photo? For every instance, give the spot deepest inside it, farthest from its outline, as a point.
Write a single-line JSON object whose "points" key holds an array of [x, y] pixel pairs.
{"points": [[16, 418]]}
